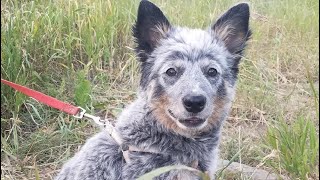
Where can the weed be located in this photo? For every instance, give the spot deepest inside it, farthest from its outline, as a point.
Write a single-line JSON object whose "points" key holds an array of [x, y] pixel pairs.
{"points": [[296, 146], [82, 90]]}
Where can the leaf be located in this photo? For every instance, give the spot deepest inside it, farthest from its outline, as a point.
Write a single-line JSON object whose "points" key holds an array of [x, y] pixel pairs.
{"points": [[159, 171], [82, 90], [303, 137], [36, 172], [231, 161], [35, 110], [205, 176]]}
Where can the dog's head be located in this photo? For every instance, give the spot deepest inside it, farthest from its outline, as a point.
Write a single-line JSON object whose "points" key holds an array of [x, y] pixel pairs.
{"points": [[188, 75]]}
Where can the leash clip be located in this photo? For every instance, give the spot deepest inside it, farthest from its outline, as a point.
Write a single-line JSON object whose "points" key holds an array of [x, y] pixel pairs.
{"points": [[96, 119], [82, 113], [101, 122]]}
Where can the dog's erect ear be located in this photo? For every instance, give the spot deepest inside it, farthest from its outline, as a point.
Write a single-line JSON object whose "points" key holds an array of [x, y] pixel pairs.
{"points": [[150, 27], [233, 28]]}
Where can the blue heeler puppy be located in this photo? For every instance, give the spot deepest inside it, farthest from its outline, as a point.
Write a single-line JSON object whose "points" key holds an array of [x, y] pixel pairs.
{"points": [[188, 79]]}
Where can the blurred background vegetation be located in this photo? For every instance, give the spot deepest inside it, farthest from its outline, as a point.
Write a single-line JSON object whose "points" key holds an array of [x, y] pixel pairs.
{"points": [[81, 52]]}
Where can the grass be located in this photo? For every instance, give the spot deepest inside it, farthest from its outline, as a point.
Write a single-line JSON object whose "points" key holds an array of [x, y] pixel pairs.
{"points": [[81, 52], [296, 147]]}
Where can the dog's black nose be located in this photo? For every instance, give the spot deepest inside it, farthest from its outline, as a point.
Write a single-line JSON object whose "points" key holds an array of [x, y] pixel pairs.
{"points": [[194, 104]]}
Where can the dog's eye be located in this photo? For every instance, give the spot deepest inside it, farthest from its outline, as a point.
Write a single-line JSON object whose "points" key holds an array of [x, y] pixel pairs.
{"points": [[171, 72], [212, 72]]}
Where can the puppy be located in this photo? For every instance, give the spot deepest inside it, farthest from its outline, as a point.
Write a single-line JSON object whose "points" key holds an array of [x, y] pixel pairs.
{"points": [[188, 79]]}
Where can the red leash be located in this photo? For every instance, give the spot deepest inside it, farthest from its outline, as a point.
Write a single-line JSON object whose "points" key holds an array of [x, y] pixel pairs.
{"points": [[77, 112], [48, 100]]}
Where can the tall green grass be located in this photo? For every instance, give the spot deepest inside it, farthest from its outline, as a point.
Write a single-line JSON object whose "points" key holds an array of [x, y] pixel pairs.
{"points": [[63, 49], [296, 146]]}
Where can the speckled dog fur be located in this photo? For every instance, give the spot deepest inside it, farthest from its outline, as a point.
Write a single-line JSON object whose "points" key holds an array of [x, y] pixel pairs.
{"points": [[188, 79]]}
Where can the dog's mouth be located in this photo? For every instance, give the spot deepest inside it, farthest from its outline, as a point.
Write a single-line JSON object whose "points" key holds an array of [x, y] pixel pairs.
{"points": [[189, 122], [192, 122]]}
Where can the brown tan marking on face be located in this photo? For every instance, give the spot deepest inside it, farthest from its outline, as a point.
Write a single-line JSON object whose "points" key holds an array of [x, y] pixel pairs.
{"points": [[159, 107], [159, 110], [219, 109], [221, 105]]}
